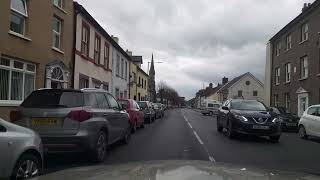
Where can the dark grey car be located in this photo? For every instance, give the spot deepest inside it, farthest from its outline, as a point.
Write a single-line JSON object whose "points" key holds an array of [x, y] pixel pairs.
{"points": [[75, 120]]}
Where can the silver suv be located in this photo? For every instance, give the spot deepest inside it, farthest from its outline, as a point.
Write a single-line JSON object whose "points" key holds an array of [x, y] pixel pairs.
{"points": [[74, 120]]}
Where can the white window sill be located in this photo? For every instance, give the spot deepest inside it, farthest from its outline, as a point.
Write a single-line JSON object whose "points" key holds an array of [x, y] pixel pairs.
{"points": [[58, 50], [277, 84], [62, 10], [288, 82], [303, 41], [19, 36], [301, 79], [9, 103]]}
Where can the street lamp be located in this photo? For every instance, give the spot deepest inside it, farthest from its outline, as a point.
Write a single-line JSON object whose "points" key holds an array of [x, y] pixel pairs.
{"points": [[158, 62]]}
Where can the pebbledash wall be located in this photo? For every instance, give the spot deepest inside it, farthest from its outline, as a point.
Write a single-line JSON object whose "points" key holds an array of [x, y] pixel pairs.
{"points": [[32, 58]]}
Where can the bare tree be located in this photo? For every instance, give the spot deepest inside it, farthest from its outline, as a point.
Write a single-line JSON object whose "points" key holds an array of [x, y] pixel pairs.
{"points": [[168, 93]]}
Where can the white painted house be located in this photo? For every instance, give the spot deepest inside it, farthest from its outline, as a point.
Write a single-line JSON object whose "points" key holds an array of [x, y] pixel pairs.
{"points": [[92, 66], [245, 85]]}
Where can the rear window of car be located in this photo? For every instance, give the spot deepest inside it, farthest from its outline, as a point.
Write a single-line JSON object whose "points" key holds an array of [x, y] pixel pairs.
{"points": [[53, 99], [142, 105], [124, 103]]}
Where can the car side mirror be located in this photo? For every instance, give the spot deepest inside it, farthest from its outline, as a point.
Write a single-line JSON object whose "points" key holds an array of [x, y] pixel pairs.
{"points": [[225, 108]]}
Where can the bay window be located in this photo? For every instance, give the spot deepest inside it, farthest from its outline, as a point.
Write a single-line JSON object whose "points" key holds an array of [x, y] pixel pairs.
{"points": [[17, 80]]}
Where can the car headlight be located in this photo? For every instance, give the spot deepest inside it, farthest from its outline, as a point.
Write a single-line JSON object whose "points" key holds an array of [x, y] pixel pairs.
{"points": [[241, 118], [277, 120]]}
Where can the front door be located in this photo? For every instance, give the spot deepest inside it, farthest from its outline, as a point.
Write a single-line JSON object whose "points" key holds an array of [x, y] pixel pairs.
{"points": [[303, 103]]}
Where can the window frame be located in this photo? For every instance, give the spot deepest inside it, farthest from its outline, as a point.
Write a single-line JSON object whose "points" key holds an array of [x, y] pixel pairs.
{"points": [[56, 5], [57, 33], [304, 31], [304, 71], [276, 100], [118, 59], [125, 70], [278, 48], [24, 72], [287, 100], [277, 75], [288, 72], [240, 92], [25, 5], [97, 50], [20, 15], [106, 55], [255, 93], [84, 43], [288, 42], [122, 67]]}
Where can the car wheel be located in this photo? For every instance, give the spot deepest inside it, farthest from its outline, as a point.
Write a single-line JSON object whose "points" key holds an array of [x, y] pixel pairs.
{"points": [[230, 132], [126, 137], [134, 127], [27, 167], [302, 132], [100, 152], [274, 138]]}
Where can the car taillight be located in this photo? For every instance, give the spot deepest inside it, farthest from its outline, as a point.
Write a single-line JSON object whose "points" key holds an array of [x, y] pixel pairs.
{"points": [[15, 115], [80, 115]]}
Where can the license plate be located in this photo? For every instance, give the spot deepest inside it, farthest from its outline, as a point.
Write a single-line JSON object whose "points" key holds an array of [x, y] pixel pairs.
{"points": [[46, 121], [291, 124], [260, 127]]}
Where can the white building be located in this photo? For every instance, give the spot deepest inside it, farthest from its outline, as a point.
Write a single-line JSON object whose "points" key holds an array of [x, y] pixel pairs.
{"points": [[246, 86], [92, 66]]}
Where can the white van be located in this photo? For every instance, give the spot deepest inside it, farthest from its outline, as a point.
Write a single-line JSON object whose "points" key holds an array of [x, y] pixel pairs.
{"points": [[210, 107]]}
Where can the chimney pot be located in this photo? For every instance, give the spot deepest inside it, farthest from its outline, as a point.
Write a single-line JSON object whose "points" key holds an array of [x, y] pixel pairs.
{"points": [[116, 39], [224, 80]]}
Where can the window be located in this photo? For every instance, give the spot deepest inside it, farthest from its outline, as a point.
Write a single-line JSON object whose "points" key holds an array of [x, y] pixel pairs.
{"points": [[96, 84], [145, 84], [142, 82], [125, 94], [288, 42], [83, 82], [240, 93], [113, 103], [51, 98], [288, 72], [122, 68], [276, 100], [278, 48], [121, 95], [58, 3], [105, 86], [56, 30], [118, 65], [97, 49], [17, 79], [277, 71], [117, 93], [102, 101], [247, 83], [18, 17], [139, 84], [304, 67], [287, 101], [126, 70], [255, 93], [304, 32], [134, 76], [85, 39], [106, 55]]}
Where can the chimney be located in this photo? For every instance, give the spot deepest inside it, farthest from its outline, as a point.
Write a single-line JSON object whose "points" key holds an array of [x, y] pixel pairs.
{"points": [[224, 80], [129, 52], [305, 6], [116, 39], [210, 85]]}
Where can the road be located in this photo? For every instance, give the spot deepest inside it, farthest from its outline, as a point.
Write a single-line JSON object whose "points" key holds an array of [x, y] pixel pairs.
{"points": [[184, 134]]}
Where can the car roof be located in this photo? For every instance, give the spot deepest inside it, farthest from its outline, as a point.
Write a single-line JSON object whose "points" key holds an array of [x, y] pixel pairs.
{"points": [[75, 90], [316, 105]]}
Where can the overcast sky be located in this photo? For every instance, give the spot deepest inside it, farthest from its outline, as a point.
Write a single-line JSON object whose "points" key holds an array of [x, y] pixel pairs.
{"points": [[198, 41]]}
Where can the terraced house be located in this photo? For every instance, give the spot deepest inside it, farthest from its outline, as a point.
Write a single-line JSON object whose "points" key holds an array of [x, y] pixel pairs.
{"points": [[36, 49], [138, 79], [293, 62]]}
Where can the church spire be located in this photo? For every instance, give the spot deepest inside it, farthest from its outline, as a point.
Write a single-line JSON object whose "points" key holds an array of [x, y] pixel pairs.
{"points": [[152, 71], [151, 82]]}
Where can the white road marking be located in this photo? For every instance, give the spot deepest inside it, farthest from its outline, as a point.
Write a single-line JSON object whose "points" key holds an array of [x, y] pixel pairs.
{"points": [[198, 138]]}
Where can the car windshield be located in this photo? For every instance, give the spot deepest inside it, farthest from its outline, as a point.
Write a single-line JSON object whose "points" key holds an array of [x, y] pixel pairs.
{"points": [[247, 105], [54, 99]]}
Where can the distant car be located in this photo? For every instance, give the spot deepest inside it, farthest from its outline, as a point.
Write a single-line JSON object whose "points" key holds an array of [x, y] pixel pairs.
{"points": [[149, 113], [74, 120], [248, 117], [289, 122], [158, 107], [309, 124], [21, 152], [211, 108], [135, 113]]}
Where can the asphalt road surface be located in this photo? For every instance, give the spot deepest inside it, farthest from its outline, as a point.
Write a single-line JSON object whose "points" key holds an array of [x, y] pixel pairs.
{"points": [[184, 134]]}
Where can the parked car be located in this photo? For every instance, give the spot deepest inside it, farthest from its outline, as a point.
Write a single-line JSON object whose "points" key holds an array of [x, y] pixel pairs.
{"points": [[211, 108], [21, 152], [309, 124], [149, 113], [159, 110], [248, 117], [135, 113], [289, 122], [74, 120]]}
